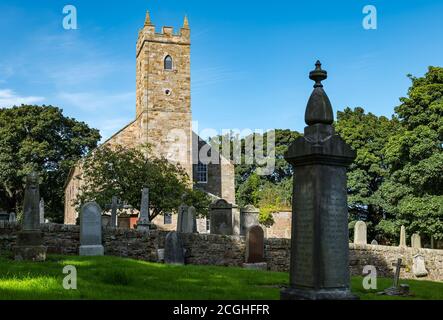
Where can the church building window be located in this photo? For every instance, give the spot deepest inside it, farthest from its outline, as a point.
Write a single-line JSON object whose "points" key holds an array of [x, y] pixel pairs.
{"points": [[202, 173], [168, 63]]}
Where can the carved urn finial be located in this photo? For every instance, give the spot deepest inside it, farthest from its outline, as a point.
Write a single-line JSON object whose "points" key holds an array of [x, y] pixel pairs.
{"points": [[319, 109]]}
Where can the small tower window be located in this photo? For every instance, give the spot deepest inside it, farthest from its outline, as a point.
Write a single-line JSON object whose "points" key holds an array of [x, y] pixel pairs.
{"points": [[168, 63]]}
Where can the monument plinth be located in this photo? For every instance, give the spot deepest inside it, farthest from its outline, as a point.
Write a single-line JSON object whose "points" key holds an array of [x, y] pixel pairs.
{"points": [[320, 241], [30, 239]]}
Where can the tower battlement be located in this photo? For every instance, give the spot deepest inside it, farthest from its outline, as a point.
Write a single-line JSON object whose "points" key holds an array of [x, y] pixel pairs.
{"points": [[167, 34]]}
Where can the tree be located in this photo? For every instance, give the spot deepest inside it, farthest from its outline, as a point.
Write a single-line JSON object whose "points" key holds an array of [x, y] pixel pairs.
{"points": [[368, 135], [124, 172], [40, 138], [413, 195]]}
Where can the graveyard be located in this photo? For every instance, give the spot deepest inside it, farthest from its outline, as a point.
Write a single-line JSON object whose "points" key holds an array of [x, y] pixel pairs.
{"points": [[349, 207], [105, 278]]}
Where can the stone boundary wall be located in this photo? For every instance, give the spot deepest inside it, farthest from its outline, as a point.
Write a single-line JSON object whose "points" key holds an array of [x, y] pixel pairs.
{"points": [[209, 249]]}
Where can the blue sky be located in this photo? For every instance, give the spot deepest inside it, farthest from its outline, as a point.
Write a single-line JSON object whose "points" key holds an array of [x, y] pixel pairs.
{"points": [[250, 59]]}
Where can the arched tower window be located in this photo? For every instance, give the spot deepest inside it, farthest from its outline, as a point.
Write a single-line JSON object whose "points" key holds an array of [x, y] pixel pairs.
{"points": [[168, 63]]}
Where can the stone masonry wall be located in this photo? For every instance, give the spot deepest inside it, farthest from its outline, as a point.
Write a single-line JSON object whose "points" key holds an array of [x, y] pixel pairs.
{"points": [[208, 249]]}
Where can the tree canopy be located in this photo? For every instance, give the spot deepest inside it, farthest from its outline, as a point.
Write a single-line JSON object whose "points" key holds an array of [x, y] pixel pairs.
{"points": [[42, 139], [124, 172]]}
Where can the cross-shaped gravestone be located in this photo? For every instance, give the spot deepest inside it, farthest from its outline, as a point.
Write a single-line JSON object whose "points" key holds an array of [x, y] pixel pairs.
{"points": [[114, 206], [398, 267]]}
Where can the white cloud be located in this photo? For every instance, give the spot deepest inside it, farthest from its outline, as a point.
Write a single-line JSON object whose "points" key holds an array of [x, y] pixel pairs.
{"points": [[9, 98], [96, 100]]}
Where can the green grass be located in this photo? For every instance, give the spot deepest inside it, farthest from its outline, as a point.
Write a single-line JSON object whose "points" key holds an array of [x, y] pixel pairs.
{"points": [[118, 278]]}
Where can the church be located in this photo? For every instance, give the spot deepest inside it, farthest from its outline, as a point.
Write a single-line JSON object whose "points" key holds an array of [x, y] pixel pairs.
{"points": [[163, 116]]}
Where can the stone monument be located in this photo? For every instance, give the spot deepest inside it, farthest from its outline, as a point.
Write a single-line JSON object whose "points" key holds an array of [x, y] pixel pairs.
{"points": [[143, 222], [42, 210], [12, 217], [416, 241], [360, 233], [91, 230], [319, 268], [255, 248], [402, 236], [248, 218], [374, 242], [221, 217], [419, 267], [174, 251], [187, 220], [30, 239]]}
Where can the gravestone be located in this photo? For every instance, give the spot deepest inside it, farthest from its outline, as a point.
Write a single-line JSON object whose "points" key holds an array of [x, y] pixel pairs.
{"points": [[221, 218], [419, 267], [143, 222], [91, 230], [402, 236], [397, 289], [248, 218], [12, 217], [30, 239], [255, 248], [416, 241], [374, 242], [187, 220], [319, 267], [174, 251], [114, 207], [360, 233], [42, 210]]}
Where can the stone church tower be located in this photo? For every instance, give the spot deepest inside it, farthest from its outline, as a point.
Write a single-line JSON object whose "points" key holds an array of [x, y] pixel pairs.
{"points": [[163, 92], [163, 117]]}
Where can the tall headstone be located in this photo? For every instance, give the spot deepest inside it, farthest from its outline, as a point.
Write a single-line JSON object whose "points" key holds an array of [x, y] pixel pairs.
{"points": [[42, 210], [221, 217], [114, 221], [416, 241], [12, 217], [174, 250], [143, 222], [187, 220], [319, 267], [255, 245], [30, 239], [248, 218], [91, 230], [402, 236], [360, 233]]}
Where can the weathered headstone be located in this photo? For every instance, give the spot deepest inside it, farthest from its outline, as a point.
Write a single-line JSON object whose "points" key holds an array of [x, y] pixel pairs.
{"points": [[402, 236], [416, 241], [143, 222], [374, 242], [248, 218], [255, 248], [319, 266], [42, 210], [30, 239], [174, 251], [397, 289], [360, 233], [187, 220], [114, 207], [221, 218], [91, 230], [12, 217], [419, 267]]}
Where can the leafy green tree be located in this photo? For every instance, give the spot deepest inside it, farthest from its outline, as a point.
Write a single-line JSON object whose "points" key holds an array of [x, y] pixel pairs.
{"points": [[368, 135], [413, 194], [124, 172], [40, 138]]}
